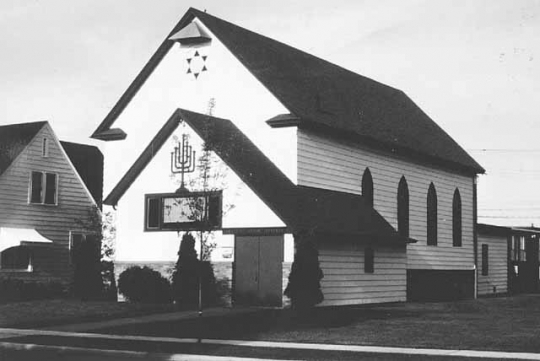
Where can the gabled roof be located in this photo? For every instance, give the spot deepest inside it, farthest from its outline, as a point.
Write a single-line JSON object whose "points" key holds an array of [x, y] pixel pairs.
{"points": [[322, 94], [87, 159], [88, 162], [13, 140], [300, 208]]}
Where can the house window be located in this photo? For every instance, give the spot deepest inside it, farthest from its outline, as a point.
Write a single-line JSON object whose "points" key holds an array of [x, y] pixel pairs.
{"points": [[456, 219], [432, 216], [517, 251], [403, 208], [369, 260], [367, 187], [45, 148], [485, 260], [43, 188], [16, 258]]}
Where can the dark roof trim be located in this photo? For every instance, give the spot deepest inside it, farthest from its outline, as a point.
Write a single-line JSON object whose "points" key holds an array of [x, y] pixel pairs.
{"points": [[525, 230], [111, 134], [252, 231], [283, 121], [491, 230], [366, 238], [143, 160], [141, 78], [88, 163]]}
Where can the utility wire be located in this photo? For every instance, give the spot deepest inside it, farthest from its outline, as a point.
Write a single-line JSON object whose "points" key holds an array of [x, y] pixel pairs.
{"points": [[504, 150]]}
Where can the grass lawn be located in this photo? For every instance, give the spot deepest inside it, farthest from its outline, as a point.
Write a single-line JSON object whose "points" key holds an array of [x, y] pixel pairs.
{"points": [[505, 324], [54, 312]]}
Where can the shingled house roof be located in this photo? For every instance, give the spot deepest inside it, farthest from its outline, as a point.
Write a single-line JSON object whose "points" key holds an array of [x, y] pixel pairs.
{"points": [[13, 140], [300, 208], [88, 162], [323, 95]]}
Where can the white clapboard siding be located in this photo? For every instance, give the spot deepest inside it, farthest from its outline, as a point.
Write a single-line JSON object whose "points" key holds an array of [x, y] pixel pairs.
{"points": [[339, 166], [345, 281], [53, 222], [496, 281]]}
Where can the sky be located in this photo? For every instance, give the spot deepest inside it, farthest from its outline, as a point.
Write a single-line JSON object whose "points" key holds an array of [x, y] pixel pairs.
{"points": [[472, 65]]}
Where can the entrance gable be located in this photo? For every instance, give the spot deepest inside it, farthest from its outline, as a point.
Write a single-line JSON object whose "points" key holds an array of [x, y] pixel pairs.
{"points": [[242, 208], [226, 88]]}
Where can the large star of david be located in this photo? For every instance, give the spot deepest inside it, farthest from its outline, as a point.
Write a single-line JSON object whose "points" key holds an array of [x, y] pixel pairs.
{"points": [[197, 64]]}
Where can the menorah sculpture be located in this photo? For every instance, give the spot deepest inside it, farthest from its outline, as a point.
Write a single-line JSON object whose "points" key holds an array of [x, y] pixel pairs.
{"points": [[183, 161]]}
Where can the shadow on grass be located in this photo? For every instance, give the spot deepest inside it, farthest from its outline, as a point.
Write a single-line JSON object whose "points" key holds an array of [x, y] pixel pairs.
{"points": [[249, 325]]}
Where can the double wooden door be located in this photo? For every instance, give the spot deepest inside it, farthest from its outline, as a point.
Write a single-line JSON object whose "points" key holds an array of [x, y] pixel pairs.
{"points": [[258, 270]]}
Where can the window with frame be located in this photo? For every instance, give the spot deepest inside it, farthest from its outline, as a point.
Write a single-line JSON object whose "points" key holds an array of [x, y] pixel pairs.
{"points": [[369, 260], [432, 216], [403, 207], [17, 258], [485, 260], [456, 220], [367, 187], [517, 249], [43, 188]]}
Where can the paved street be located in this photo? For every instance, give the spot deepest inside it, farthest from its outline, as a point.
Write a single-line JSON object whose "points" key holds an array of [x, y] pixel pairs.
{"points": [[60, 345]]}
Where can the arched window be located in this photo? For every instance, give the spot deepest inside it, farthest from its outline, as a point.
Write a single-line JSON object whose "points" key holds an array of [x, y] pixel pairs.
{"points": [[403, 207], [432, 216], [456, 219], [16, 258], [367, 187]]}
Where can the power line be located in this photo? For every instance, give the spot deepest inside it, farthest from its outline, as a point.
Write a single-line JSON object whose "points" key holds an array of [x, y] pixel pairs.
{"points": [[507, 150], [509, 217]]}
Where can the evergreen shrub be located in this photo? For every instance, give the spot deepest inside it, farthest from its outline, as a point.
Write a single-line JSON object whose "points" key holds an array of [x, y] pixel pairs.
{"points": [[185, 278], [304, 287], [144, 285]]}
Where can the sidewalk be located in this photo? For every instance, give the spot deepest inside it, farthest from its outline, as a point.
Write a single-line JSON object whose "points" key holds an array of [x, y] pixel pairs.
{"points": [[93, 337]]}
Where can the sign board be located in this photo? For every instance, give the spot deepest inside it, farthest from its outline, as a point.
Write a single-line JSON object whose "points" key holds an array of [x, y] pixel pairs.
{"points": [[189, 211]]}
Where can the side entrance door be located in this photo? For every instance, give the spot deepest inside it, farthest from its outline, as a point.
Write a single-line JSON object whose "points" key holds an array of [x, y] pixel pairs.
{"points": [[258, 270]]}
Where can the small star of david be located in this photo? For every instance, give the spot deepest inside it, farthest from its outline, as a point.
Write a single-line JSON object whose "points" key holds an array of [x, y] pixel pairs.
{"points": [[196, 64]]}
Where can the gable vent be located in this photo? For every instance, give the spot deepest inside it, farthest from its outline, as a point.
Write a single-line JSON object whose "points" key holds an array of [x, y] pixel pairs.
{"points": [[190, 35]]}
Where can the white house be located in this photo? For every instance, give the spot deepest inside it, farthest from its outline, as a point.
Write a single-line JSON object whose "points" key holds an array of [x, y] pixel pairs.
{"points": [[48, 190], [309, 150]]}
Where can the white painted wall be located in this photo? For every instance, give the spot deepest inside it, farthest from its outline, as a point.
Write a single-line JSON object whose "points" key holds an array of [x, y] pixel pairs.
{"points": [[496, 281], [239, 97], [346, 283], [340, 165], [241, 206]]}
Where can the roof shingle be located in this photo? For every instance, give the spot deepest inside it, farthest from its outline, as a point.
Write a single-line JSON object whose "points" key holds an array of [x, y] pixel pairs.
{"points": [[13, 139]]}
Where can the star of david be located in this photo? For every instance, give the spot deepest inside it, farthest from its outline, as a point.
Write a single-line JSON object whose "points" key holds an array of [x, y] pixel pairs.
{"points": [[197, 64]]}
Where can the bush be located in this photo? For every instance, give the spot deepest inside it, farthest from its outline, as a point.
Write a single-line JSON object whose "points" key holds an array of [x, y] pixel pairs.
{"points": [[16, 290], [304, 288], [87, 282], [185, 278], [144, 285]]}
